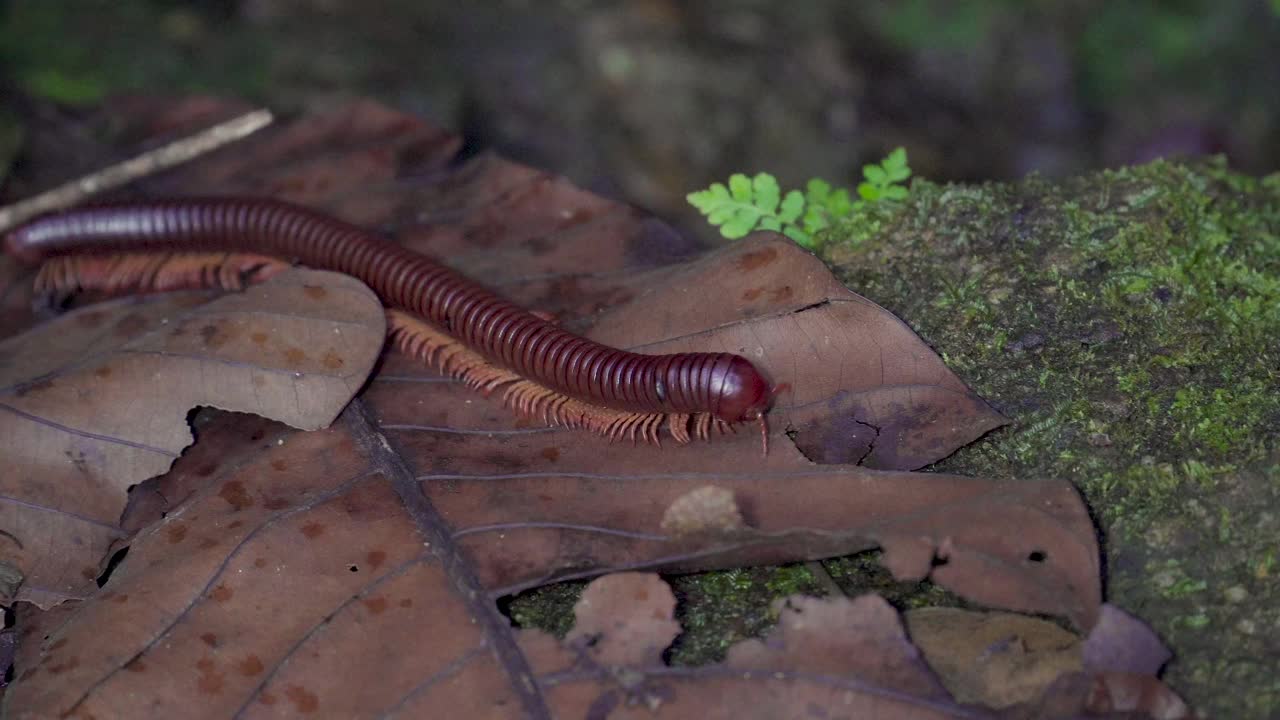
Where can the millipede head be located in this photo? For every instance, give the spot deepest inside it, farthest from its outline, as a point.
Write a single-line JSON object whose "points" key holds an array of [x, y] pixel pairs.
{"points": [[744, 395]]}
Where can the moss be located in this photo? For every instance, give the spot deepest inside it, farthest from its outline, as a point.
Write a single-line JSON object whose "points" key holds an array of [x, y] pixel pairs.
{"points": [[862, 573], [548, 608], [718, 609], [1127, 322]]}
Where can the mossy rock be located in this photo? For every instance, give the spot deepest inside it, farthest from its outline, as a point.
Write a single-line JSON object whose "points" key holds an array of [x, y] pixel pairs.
{"points": [[1128, 322]]}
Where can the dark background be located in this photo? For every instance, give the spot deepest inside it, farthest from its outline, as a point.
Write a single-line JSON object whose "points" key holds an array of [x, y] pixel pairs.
{"points": [[648, 99]]}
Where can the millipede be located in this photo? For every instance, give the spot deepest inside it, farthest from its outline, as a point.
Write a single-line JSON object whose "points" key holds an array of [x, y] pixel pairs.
{"points": [[434, 313]]}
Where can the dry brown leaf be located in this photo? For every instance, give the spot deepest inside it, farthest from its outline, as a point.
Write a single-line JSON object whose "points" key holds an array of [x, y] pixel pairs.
{"points": [[993, 659], [96, 401], [356, 660], [1120, 643], [291, 559], [627, 620]]}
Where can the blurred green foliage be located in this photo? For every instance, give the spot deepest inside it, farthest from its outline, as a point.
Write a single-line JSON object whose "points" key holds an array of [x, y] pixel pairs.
{"points": [[78, 52], [1118, 47]]}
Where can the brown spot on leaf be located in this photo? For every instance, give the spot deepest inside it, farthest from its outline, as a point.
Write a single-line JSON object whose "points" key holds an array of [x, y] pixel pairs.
{"points": [[176, 532], [294, 355], [333, 361], [135, 665], [376, 605], [89, 573], [757, 259], [375, 558], [206, 543], [259, 338], [260, 563], [538, 245], [782, 294], [267, 698], [279, 465], [406, 603], [576, 216], [209, 639], [235, 524], [207, 469], [103, 372], [91, 318], [313, 530], [210, 682], [78, 460], [276, 503], [250, 666], [236, 496], [221, 594], [35, 387], [129, 325], [315, 292], [752, 294], [61, 643], [120, 599], [71, 664], [551, 454], [504, 461], [215, 335], [304, 700]]}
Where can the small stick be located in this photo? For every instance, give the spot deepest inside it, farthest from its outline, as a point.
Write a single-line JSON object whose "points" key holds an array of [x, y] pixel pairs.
{"points": [[823, 578], [175, 153]]}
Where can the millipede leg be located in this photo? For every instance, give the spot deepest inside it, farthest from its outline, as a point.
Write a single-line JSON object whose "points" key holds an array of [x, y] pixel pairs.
{"points": [[151, 272], [678, 425]]}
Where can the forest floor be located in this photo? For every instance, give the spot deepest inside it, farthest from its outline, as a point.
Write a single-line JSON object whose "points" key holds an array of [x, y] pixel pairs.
{"points": [[1125, 321]]}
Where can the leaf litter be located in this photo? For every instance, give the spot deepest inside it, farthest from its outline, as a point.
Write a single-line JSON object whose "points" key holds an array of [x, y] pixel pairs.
{"points": [[354, 570]]}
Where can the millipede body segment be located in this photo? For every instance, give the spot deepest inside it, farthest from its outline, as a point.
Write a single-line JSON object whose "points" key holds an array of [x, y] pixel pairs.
{"points": [[678, 388]]}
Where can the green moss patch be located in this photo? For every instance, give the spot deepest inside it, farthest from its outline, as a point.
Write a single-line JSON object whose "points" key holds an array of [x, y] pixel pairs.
{"points": [[1128, 322]]}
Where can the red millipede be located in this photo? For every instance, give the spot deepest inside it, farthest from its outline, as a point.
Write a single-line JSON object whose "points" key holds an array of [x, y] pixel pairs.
{"points": [[643, 391]]}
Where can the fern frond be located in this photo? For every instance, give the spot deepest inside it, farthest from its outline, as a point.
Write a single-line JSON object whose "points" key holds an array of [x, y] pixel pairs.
{"points": [[758, 203]]}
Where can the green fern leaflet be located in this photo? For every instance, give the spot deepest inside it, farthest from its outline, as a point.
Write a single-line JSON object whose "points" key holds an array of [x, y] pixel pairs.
{"points": [[757, 203]]}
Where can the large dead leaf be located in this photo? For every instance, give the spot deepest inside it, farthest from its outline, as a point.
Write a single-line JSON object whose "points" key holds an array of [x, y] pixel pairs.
{"points": [[268, 535], [270, 563], [533, 506], [96, 401]]}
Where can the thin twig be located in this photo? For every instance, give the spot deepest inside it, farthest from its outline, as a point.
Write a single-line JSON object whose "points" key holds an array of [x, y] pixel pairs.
{"points": [[150, 162], [824, 579]]}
